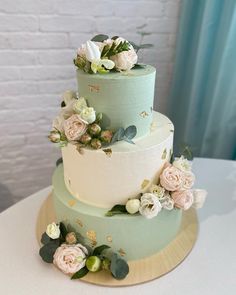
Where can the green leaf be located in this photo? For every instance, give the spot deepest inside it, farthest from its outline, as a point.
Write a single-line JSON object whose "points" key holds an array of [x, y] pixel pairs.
{"points": [[138, 66], [115, 37], [63, 230], [100, 38], [118, 135], [136, 47], [98, 118], [128, 140], [117, 209], [119, 267], [63, 104], [98, 250], [130, 132], [48, 250], [59, 161], [79, 274], [45, 239]]}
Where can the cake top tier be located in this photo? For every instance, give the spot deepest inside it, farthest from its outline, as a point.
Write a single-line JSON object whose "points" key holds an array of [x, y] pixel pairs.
{"points": [[103, 54]]}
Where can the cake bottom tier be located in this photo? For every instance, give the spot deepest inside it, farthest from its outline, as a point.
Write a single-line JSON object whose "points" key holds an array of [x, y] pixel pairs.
{"points": [[133, 236]]}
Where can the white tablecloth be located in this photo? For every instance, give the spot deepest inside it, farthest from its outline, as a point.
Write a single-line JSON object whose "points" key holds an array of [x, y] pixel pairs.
{"points": [[209, 269]]}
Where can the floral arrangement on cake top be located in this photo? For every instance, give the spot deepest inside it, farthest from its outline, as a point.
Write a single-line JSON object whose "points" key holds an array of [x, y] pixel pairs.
{"points": [[78, 124], [173, 191], [66, 249], [102, 54]]}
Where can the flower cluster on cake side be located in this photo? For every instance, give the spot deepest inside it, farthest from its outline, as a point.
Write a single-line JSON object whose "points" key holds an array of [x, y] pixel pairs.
{"points": [[79, 124], [102, 54], [173, 191], [67, 250]]}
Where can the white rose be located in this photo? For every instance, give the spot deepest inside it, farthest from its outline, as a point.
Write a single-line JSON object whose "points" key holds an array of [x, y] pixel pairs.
{"points": [[65, 113], [182, 164], [158, 191], [53, 231], [125, 60], [150, 206], [79, 105], [68, 96], [88, 114], [199, 197], [132, 206], [70, 258]]}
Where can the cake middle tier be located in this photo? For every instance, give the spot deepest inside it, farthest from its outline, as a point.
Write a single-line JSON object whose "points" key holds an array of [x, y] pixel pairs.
{"points": [[107, 177]]}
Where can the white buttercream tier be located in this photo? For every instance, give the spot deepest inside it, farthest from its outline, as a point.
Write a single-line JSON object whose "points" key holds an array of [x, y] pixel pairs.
{"points": [[104, 180]]}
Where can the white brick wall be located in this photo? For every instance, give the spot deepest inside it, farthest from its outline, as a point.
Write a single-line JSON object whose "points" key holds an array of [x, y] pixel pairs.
{"points": [[38, 40]]}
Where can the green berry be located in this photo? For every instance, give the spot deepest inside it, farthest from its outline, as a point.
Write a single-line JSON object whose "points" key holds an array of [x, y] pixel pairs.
{"points": [[93, 263]]}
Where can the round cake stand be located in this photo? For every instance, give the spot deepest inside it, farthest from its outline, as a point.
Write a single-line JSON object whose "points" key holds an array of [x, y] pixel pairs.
{"points": [[142, 270]]}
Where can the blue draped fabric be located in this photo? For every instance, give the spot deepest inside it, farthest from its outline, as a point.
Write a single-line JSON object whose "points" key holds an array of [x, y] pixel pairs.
{"points": [[202, 103]]}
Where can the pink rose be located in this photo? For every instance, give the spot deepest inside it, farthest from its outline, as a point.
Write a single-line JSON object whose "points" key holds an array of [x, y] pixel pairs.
{"points": [[182, 199], [171, 178], [188, 180], [70, 258], [125, 60], [74, 127]]}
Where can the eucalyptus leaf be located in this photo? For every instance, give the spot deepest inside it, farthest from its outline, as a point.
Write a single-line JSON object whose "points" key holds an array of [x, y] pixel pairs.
{"points": [[47, 251], [138, 66], [45, 239], [115, 37], [98, 118], [130, 132], [100, 38], [135, 46], [118, 135], [79, 274], [128, 140], [59, 161], [119, 267], [117, 209], [98, 250], [172, 158]]}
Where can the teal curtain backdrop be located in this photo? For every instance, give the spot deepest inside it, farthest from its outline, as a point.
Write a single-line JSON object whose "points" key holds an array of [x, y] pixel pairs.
{"points": [[202, 103]]}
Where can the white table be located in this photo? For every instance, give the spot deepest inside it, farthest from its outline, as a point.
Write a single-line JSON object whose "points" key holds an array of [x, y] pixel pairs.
{"points": [[209, 269]]}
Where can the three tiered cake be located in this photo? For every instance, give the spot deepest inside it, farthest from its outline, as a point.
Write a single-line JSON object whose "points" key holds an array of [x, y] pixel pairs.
{"points": [[119, 193]]}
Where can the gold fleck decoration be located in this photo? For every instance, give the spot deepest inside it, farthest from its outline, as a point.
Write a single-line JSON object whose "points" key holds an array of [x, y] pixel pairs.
{"points": [[153, 126], [144, 183], [144, 114], [121, 252], [109, 239], [79, 222], [71, 203], [164, 154], [91, 234], [108, 152], [94, 88]]}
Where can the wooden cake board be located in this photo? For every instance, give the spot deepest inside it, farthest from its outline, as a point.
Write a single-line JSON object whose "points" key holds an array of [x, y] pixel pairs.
{"points": [[142, 270]]}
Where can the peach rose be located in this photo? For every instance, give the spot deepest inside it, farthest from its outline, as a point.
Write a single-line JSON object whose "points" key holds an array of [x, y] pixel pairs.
{"points": [[188, 180], [70, 258], [125, 60], [182, 199], [171, 178], [74, 127]]}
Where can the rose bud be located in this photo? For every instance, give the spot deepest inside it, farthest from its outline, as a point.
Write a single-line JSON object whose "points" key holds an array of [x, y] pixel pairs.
{"points": [[85, 138], [96, 144], [71, 238], [93, 263], [106, 136], [132, 206], [54, 136], [94, 129], [106, 263]]}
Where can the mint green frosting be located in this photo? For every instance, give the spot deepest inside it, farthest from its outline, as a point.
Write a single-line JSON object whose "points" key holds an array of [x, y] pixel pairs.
{"points": [[124, 98], [137, 236]]}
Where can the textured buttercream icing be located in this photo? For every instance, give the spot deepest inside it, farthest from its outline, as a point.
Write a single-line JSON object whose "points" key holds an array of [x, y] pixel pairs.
{"points": [[134, 237], [124, 98], [104, 179]]}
